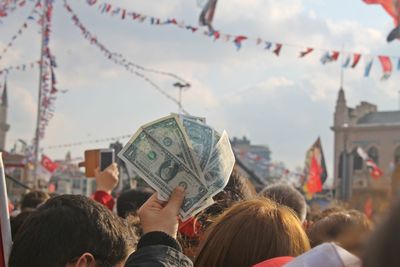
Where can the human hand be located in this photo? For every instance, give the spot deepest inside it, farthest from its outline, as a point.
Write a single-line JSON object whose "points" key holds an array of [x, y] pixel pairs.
{"points": [[107, 180], [156, 215]]}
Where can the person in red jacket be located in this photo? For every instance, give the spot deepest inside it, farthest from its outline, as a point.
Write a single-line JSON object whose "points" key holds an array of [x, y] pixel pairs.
{"points": [[106, 181]]}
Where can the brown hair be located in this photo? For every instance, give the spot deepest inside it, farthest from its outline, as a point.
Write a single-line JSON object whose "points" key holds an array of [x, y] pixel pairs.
{"points": [[33, 199], [347, 228], [251, 232]]}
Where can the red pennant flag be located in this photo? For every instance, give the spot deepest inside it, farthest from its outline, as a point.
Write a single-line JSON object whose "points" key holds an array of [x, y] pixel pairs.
{"points": [[335, 55], [356, 59], [108, 8], [48, 164], [386, 64], [277, 50], [305, 53], [238, 41], [216, 35]]}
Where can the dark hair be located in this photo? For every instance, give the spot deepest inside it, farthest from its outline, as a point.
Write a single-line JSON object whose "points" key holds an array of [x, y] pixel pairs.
{"points": [[251, 232], [287, 195], [17, 221], [383, 246], [346, 228], [33, 199], [67, 226], [238, 188], [130, 201]]}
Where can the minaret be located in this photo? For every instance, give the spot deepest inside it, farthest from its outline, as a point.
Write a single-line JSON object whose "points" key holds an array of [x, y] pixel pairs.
{"points": [[341, 111], [4, 127]]}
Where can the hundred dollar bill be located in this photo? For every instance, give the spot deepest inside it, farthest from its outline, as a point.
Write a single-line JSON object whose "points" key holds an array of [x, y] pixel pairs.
{"points": [[201, 137], [169, 133], [163, 171], [220, 167]]}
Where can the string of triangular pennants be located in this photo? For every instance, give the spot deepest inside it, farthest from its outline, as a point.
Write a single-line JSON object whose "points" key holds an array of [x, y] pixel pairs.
{"points": [[92, 141], [34, 15], [21, 67], [119, 59], [48, 78], [350, 59], [9, 6]]}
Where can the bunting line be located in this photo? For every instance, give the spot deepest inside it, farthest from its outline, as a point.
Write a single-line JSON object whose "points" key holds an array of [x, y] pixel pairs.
{"points": [[21, 29], [7, 7], [329, 55], [92, 141], [48, 78], [120, 60], [21, 67]]}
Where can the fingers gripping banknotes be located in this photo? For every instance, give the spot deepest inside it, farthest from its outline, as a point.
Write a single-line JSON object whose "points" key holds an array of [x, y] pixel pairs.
{"points": [[163, 171], [181, 151]]}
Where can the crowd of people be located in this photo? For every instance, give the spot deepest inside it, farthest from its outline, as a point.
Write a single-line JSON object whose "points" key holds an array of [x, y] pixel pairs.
{"points": [[243, 227]]}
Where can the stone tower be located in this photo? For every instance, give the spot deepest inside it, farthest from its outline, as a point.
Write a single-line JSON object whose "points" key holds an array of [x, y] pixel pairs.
{"points": [[4, 127]]}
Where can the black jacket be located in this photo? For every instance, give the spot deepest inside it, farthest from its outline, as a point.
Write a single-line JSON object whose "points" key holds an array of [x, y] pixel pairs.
{"points": [[157, 249]]}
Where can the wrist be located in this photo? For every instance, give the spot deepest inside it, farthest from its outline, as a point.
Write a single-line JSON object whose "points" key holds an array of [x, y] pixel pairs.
{"points": [[104, 189], [155, 238]]}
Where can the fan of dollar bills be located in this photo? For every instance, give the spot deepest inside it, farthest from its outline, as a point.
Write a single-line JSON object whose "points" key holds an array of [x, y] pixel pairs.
{"points": [[180, 150]]}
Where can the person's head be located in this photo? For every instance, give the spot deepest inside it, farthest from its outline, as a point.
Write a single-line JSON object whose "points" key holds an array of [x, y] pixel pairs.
{"points": [[287, 195], [17, 221], [238, 189], [33, 199], [346, 228], [71, 230], [130, 201], [383, 246], [251, 232]]}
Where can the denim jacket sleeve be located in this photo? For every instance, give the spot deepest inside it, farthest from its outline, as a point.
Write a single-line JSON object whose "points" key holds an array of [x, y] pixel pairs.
{"points": [[157, 249]]}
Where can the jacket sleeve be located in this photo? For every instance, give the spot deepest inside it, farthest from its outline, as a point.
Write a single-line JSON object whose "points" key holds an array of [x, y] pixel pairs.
{"points": [[157, 249], [105, 199]]}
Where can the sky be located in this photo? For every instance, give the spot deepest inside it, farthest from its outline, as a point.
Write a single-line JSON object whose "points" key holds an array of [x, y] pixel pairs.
{"points": [[283, 102]]}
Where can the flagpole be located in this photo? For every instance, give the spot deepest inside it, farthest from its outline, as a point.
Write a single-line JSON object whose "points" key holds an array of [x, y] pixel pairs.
{"points": [[39, 109], [5, 228]]}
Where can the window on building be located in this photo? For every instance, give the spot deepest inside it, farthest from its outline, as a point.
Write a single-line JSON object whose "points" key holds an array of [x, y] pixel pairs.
{"points": [[397, 155], [357, 161], [373, 154]]}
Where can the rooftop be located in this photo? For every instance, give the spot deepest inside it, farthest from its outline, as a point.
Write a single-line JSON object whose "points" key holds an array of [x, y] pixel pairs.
{"points": [[383, 117]]}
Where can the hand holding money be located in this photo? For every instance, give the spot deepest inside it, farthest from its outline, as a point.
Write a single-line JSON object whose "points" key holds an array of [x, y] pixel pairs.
{"points": [[181, 151]]}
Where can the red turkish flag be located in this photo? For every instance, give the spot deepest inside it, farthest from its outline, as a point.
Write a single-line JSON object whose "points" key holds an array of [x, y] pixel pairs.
{"points": [[386, 64], [48, 164], [314, 184]]}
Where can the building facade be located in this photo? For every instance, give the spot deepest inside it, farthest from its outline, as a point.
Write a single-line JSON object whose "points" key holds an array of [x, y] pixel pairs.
{"points": [[378, 134]]}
